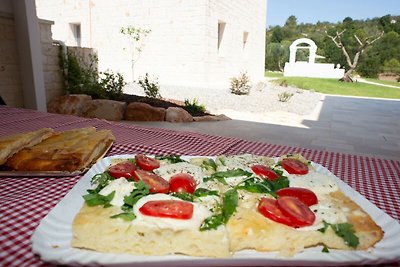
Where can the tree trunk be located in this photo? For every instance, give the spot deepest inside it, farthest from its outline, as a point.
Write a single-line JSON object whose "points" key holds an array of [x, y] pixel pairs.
{"points": [[347, 76]]}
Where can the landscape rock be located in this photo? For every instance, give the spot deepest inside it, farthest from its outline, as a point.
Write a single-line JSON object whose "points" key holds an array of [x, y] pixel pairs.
{"points": [[220, 117], [137, 111], [68, 104], [174, 114], [104, 109]]}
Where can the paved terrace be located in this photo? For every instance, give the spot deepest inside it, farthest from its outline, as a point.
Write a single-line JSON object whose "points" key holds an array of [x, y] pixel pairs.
{"points": [[344, 124]]}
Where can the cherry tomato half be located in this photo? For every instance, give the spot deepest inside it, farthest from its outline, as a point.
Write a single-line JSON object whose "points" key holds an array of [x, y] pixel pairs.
{"points": [[264, 172], [294, 166], [305, 195], [182, 183], [174, 209], [146, 163], [156, 183], [122, 169], [269, 208], [299, 213]]}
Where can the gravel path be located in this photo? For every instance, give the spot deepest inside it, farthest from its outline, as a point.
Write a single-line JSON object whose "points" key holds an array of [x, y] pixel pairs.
{"points": [[258, 104]]}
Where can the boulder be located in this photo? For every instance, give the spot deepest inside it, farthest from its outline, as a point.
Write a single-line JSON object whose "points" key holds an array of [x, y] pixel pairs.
{"points": [[175, 114], [104, 109], [68, 104], [220, 117], [137, 111]]}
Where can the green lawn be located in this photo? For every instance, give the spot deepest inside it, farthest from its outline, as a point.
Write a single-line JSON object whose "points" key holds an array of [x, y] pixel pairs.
{"points": [[335, 87]]}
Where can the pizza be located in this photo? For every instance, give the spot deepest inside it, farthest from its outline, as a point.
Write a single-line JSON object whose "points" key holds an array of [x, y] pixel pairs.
{"points": [[215, 207], [68, 151], [12, 144]]}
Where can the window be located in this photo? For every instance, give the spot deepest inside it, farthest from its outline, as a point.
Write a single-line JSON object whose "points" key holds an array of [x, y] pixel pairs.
{"points": [[76, 33], [221, 29]]}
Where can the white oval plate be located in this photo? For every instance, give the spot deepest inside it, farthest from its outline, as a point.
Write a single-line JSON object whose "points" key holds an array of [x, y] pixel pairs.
{"points": [[52, 238]]}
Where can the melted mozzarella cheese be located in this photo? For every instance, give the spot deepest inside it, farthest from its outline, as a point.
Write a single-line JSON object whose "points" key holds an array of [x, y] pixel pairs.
{"points": [[167, 171], [319, 183], [122, 188], [200, 213]]}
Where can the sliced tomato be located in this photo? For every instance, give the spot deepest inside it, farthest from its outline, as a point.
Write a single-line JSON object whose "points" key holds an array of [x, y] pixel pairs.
{"points": [[122, 169], [269, 208], [156, 183], [146, 163], [264, 172], [305, 195], [174, 209], [182, 183], [294, 166], [299, 213]]}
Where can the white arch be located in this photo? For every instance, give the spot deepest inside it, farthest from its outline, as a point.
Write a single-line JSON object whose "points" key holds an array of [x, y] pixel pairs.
{"points": [[295, 45]]}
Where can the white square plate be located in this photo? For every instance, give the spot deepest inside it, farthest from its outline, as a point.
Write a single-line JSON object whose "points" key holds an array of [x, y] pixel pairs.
{"points": [[52, 238]]}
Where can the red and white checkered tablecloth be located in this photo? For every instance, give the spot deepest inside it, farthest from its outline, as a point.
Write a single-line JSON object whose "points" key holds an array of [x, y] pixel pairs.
{"points": [[25, 201]]}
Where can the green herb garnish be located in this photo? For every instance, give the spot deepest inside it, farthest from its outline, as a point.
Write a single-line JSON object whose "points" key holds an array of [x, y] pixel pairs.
{"points": [[127, 216], [209, 164], [203, 192], [229, 205], [95, 199], [171, 158], [220, 176], [343, 230]]}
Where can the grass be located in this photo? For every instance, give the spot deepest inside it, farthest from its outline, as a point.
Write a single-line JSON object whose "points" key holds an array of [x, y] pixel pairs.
{"points": [[383, 82], [335, 87]]}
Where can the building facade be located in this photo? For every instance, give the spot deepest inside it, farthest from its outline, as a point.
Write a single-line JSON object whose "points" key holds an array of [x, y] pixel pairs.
{"points": [[195, 43]]}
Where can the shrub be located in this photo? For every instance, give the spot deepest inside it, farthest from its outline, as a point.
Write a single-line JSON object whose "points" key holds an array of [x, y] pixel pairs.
{"points": [[193, 107], [240, 85], [284, 97], [150, 86], [83, 78], [112, 84]]}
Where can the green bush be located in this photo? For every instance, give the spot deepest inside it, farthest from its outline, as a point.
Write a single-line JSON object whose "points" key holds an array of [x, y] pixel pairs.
{"points": [[240, 85], [285, 96], [193, 107], [150, 86], [84, 78]]}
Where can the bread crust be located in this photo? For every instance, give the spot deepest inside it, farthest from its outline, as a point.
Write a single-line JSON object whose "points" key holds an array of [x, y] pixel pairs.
{"points": [[248, 229], [94, 229], [12, 144], [70, 151]]}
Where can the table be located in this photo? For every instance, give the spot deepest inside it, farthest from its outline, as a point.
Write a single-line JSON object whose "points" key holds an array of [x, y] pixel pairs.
{"points": [[24, 201]]}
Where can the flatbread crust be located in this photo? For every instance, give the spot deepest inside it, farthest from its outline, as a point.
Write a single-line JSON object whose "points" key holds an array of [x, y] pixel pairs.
{"points": [[12, 144], [248, 229], [94, 229], [70, 151]]}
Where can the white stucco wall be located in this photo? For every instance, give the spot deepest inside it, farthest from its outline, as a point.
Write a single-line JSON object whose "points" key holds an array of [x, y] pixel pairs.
{"points": [[181, 48]]}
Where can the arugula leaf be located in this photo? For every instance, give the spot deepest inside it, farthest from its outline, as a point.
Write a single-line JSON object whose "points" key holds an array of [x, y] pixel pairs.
{"points": [[229, 205], [325, 249], [184, 196], [203, 192], [343, 230], [220, 176], [212, 222], [171, 158], [255, 185], [140, 191], [95, 199], [209, 164], [127, 216], [222, 160], [230, 202], [102, 180]]}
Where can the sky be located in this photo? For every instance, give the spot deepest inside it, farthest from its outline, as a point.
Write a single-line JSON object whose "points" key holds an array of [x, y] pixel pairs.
{"points": [[312, 11]]}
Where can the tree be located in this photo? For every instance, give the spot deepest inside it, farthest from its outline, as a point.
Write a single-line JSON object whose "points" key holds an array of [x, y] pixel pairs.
{"points": [[363, 42], [135, 36]]}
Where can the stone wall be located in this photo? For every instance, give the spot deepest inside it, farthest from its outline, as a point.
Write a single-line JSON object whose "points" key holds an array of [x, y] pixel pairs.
{"points": [[10, 80], [182, 47], [10, 76]]}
